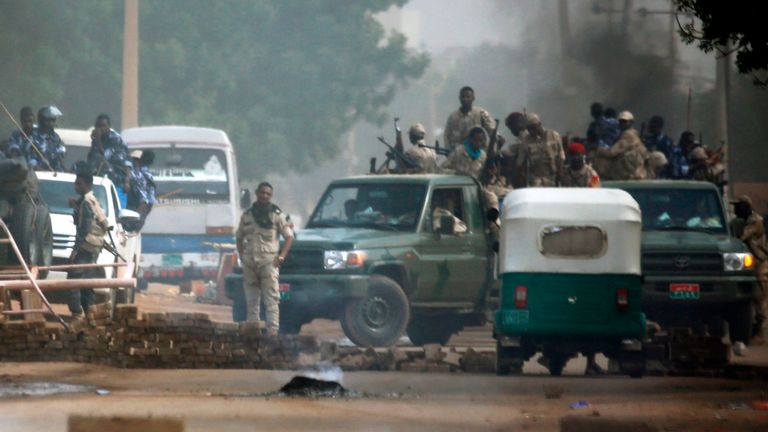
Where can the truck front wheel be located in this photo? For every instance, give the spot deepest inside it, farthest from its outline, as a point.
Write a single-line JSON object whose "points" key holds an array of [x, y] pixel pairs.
{"points": [[379, 318]]}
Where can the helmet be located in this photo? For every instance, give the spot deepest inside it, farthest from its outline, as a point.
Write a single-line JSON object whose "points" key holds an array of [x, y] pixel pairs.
{"points": [[49, 112], [626, 115]]}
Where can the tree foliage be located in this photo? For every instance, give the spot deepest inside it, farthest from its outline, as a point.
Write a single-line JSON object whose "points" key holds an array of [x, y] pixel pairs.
{"points": [[284, 78], [722, 25]]}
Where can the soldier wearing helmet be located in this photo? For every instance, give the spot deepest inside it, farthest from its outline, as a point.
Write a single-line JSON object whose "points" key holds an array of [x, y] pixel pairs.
{"points": [[424, 158], [541, 155], [50, 149], [628, 155]]}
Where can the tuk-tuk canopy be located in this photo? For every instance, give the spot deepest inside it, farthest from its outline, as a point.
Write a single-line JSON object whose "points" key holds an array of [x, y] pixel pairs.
{"points": [[570, 230]]}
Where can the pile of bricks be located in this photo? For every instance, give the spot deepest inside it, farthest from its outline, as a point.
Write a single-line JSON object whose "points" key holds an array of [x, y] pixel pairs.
{"points": [[152, 340], [430, 358]]}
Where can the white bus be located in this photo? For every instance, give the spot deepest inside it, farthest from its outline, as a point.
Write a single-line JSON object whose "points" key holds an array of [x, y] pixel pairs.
{"points": [[197, 205]]}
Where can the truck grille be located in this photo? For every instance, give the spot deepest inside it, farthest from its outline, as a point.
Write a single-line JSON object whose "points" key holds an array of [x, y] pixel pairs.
{"points": [[63, 241], [303, 261], [658, 262]]}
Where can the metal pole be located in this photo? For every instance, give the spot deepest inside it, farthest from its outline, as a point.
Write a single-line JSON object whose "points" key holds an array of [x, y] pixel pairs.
{"points": [[130, 108]]}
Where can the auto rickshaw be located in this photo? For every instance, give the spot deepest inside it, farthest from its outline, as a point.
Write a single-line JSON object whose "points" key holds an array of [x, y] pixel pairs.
{"points": [[570, 278]]}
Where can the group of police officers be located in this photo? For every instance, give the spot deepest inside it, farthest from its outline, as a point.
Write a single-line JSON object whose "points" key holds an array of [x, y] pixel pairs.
{"points": [[43, 150]]}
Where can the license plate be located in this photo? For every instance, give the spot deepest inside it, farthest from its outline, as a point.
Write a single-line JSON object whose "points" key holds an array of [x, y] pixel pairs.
{"points": [[683, 291], [285, 291], [172, 260]]}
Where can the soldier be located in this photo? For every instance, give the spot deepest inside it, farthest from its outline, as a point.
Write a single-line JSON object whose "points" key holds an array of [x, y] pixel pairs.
{"points": [[465, 118], [700, 169], [541, 155], [424, 158], [49, 145], [108, 150], [469, 158], [258, 244], [137, 187], [628, 155], [753, 234], [604, 128], [657, 164], [655, 139], [516, 124], [19, 143], [91, 226], [578, 173]]}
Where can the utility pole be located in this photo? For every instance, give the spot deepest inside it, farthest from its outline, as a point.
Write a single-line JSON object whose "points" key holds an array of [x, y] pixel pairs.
{"points": [[130, 105]]}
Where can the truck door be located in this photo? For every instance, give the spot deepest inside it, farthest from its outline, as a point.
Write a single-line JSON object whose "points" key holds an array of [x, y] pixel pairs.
{"points": [[446, 260]]}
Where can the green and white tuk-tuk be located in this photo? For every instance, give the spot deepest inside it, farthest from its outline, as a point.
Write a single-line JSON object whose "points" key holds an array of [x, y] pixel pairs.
{"points": [[571, 282]]}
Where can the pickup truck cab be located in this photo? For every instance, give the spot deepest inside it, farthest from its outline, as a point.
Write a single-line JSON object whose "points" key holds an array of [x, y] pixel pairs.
{"points": [[56, 189], [373, 257], [694, 270]]}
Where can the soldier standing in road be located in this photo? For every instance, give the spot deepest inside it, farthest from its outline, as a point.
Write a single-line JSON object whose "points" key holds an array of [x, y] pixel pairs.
{"points": [[47, 141], [541, 155], [91, 225], [424, 158], [753, 234], [578, 173], [469, 158], [258, 244], [465, 118], [628, 155]]}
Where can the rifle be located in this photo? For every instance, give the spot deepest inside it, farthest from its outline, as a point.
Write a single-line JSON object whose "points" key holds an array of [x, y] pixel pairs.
{"points": [[441, 151], [393, 154], [492, 150], [398, 136]]}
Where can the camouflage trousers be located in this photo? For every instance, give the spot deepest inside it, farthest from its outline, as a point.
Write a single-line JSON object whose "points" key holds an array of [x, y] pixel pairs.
{"points": [[261, 285]]}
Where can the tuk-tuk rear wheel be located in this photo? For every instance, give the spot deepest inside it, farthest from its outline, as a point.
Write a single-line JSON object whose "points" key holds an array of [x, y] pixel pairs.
{"points": [[509, 360]]}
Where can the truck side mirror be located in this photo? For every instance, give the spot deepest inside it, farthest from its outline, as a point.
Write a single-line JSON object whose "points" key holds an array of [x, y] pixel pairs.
{"points": [[245, 198], [129, 219], [446, 225], [492, 214]]}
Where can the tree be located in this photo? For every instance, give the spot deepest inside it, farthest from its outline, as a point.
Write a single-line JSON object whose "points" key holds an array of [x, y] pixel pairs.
{"points": [[727, 27], [284, 78]]}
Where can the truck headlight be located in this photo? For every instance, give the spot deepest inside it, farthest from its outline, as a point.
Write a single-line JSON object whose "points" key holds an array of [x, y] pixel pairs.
{"points": [[337, 260], [738, 261]]}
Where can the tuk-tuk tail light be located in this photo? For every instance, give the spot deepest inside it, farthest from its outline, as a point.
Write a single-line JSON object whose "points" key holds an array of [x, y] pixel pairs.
{"points": [[521, 297], [622, 299]]}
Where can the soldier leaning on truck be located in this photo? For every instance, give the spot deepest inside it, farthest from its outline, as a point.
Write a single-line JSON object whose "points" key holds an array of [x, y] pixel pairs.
{"points": [[753, 234], [91, 225], [258, 244]]}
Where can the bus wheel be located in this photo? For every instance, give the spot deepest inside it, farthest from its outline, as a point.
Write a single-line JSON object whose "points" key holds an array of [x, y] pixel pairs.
{"points": [[556, 363], [379, 318], [508, 360]]}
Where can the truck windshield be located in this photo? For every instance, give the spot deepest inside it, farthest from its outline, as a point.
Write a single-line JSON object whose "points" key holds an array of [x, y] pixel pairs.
{"points": [[57, 194], [680, 210], [392, 207]]}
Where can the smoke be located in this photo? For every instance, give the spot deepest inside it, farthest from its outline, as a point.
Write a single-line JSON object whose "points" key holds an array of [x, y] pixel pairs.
{"points": [[325, 372]]}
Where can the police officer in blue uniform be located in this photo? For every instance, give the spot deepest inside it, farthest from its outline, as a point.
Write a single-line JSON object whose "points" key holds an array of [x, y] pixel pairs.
{"points": [[49, 145]]}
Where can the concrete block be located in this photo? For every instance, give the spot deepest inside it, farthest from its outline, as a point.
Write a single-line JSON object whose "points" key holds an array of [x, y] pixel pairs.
{"points": [[124, 424], [30, 300], [328, 351], [452, 358], [603, 424], [433, 352]]}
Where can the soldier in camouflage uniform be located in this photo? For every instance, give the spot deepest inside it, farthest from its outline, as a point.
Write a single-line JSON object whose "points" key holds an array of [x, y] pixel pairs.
{"points": [[469, 158], [578, 173], [258, 244], [628, 155], [541, 155], [516, 124], [424, 158], [753, 234], [91, 227], [465, 118]]}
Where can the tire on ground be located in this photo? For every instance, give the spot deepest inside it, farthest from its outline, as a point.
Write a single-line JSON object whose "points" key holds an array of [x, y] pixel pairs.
{"points": [[432, 329], [380, 318], [508, 360]]}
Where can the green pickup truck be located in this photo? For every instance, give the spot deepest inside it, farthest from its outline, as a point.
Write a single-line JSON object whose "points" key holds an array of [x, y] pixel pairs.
{"points": [[372, 257], [694, 270]]}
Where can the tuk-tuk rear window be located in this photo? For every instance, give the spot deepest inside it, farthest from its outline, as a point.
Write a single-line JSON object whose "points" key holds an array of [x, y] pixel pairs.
{"points": [[573, 241]]}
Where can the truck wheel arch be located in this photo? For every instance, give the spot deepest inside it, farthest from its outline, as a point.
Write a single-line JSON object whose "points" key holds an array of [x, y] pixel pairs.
{"points": [[397, 273]]}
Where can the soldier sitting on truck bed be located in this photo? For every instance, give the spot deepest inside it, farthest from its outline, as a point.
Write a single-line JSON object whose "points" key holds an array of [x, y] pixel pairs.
{"points": [[469, 159]]}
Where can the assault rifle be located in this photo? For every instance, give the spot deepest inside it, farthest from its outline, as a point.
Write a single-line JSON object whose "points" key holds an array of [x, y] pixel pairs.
{"points": [[441, 151], [402, 161]]}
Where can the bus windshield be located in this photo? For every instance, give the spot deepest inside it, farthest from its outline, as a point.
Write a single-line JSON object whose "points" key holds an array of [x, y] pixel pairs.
{"points": [[190, 175]]}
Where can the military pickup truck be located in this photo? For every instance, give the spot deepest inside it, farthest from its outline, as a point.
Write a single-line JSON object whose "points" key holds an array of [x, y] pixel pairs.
{"points": [[694, 270], [377, 256]]}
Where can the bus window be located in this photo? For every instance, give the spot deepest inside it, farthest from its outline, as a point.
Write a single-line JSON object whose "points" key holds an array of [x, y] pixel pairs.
{"points": [[190, 175]]}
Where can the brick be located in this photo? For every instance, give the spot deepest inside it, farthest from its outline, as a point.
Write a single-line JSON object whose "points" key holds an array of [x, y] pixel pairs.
{"points": [[77, 423], [602, 424]]}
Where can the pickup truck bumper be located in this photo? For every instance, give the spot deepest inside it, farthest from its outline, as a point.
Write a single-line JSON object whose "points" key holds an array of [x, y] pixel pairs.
{"points": [[712, 289]]}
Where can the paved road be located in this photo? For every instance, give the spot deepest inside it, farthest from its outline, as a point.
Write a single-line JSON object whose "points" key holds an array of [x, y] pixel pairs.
{"points": [[231, 400]]}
